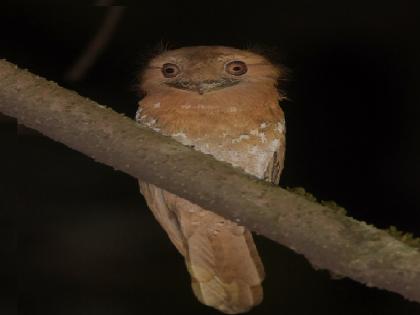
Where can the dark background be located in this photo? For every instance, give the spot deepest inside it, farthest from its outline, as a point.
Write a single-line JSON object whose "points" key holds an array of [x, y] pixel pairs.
{"points": [[77, 236]]}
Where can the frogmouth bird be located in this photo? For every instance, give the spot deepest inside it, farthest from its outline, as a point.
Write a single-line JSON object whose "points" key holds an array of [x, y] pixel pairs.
{"points": [[224, 102]]}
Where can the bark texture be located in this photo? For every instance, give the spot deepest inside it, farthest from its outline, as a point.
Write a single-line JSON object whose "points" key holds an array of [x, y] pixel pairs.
{"points": [[326, 237]]}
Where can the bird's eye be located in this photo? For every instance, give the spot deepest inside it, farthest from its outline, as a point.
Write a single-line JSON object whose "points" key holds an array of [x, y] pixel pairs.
{"points": [[170, 70], [236, 68]]}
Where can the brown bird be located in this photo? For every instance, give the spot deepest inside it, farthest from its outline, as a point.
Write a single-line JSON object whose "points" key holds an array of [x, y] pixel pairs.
{"points": [[224, 102]]}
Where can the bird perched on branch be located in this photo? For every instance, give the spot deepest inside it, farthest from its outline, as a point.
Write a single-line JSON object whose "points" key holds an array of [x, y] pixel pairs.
{"points": [[224, 102]]}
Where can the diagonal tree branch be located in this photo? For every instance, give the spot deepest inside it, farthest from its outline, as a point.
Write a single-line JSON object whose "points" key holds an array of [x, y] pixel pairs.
{"points": [[326, 237]]}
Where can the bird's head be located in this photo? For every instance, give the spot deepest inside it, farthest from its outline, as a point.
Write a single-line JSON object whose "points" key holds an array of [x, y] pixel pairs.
{"points": [[201, 70]]}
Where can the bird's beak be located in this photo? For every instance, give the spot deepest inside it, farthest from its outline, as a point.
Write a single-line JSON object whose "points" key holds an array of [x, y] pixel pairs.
{"points": [[207, 86], [204, 86]]}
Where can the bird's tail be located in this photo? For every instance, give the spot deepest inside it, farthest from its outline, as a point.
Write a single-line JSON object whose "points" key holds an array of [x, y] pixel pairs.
{"points": [[226, 270]]}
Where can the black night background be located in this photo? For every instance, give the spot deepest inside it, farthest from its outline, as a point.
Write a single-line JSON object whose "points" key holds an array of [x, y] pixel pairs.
{"points": [[77, 237]]}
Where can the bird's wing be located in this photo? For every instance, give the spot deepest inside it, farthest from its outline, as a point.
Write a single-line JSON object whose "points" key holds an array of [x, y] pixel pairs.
{"points": [[275, 166], [168, 219]]}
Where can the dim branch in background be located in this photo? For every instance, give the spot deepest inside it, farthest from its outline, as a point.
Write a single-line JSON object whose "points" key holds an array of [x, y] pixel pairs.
{"points": [[321, 232], [98, 42]]}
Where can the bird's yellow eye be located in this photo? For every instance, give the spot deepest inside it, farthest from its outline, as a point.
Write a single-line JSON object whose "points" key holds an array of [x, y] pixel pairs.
{"points": [[170, 70], [236, 68]]}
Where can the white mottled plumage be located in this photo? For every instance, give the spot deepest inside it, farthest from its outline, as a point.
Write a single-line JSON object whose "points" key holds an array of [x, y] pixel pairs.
{"points": [[236, 119]]}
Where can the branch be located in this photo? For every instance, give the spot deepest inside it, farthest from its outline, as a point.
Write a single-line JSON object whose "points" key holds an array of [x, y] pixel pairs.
{"points": [[326, 237]]}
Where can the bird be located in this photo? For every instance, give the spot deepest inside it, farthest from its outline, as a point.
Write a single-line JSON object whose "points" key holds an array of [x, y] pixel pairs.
{"points": [[222, 101]]}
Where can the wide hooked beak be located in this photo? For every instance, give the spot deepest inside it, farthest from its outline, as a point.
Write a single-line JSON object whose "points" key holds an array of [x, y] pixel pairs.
{"points": [[204, 86]]}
